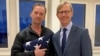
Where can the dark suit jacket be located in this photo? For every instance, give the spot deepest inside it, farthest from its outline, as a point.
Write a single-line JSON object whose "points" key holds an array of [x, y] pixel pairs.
{"points": [[78, 43]]}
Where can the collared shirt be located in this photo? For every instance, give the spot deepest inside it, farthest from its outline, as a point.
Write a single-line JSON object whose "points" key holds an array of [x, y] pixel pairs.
{"points": [[68, 27]]}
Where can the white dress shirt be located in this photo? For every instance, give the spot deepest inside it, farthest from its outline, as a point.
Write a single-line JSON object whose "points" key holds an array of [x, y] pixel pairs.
{"points": [[68, 27]]}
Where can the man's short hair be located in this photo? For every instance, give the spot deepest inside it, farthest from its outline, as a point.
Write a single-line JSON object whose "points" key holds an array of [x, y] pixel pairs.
{"points": [[38, 4], [62, 4]]}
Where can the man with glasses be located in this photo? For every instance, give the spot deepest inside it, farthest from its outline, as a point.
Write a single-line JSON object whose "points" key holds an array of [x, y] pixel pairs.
{"points": [[70, 40]]}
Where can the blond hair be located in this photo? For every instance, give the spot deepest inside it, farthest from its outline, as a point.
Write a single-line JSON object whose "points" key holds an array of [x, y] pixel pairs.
{"points": [[62, 4]]}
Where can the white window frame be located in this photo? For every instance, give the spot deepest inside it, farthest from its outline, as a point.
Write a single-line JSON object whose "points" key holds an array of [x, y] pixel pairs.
{"points": [[5, 50], [96, 48]]}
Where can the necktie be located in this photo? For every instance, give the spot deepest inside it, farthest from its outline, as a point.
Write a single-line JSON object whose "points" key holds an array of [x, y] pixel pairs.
{"points": [[64, 39]]}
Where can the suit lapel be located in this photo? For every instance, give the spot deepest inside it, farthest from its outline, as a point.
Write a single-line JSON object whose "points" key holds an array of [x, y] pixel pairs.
{"points": [[71, 37], [57, 43]]}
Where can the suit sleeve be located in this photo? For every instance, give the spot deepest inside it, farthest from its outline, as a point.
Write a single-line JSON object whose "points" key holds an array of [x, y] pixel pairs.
{"points": [[86, 46], [17, 48]]}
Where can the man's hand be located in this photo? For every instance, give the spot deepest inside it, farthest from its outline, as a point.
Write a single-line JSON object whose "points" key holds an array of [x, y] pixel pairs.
{"points": [[38, 51]]}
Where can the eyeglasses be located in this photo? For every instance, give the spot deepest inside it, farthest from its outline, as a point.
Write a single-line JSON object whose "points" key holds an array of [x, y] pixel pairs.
{"points": [[61, 12]]}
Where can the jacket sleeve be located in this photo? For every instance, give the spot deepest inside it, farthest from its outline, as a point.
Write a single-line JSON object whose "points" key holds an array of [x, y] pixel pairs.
{"points": [[17, 48], [86, 46], [51, 50]]}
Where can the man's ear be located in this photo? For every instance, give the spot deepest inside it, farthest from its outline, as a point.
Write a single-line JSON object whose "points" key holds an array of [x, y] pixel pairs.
{"points": [[72, 14], [44, 17]]}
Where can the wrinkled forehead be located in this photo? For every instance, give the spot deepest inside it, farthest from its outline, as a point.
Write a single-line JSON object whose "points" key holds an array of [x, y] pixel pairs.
{"points": [[39, 7]]}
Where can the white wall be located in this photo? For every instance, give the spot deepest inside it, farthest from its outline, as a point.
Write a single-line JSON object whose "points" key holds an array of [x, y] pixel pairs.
{"points": [[51, 21], [12, 28]]}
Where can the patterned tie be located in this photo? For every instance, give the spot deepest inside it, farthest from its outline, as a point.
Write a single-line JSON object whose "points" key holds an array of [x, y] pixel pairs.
{"points": [[64, 39]]}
